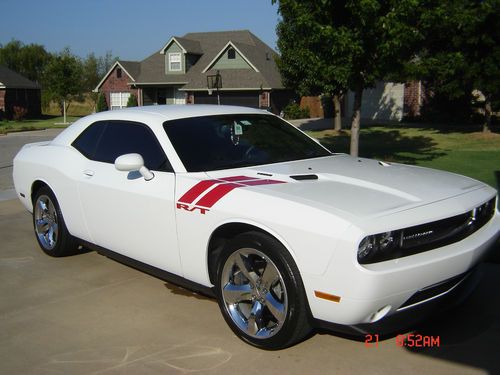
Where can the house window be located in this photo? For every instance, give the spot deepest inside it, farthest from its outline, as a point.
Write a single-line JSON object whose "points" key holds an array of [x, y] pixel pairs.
{"points": [[119, 99], [174, 62], [231, 54], [118, 73]]}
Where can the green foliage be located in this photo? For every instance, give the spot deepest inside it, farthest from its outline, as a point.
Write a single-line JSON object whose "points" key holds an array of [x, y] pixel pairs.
{"points": [[27, 60], [132, 101], [293, 111], [63, 77], [101, 103], [460, 52], [330, 46]]}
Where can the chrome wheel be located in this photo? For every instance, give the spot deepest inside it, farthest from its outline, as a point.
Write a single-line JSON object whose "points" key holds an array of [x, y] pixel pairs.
{"points": [[254, 293], [46, 222]]}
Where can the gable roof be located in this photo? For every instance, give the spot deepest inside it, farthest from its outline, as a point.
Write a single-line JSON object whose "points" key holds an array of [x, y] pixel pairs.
{"points": [[209, 46], [131, 68], [229, 44], [187, 45], [11, 80]]}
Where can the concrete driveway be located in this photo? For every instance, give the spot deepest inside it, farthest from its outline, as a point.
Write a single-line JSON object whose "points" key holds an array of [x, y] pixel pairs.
{"points": [[89, 314]]}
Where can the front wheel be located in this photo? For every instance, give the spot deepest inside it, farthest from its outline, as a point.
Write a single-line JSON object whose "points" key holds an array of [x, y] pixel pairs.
{"points": [[50, 229], [260, 292]]}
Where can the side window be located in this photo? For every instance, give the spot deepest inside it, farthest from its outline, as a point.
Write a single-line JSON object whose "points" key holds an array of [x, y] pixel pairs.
{"points": [[105, 141], [87, 142]]}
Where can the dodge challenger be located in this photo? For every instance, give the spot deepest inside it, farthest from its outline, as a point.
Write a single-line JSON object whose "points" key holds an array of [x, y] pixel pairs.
{"points": [[237, 201]]}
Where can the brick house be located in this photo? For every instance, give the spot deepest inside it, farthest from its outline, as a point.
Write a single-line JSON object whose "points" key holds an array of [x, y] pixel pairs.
{"points": [[18, 91], [179, 73]]}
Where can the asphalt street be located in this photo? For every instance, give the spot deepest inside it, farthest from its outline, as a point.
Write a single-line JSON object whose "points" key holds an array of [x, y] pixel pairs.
{"points": [[89, 314]]}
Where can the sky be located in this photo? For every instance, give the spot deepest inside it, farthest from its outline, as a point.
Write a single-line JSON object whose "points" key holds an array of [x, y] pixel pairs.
{"points": [[130, 29]]}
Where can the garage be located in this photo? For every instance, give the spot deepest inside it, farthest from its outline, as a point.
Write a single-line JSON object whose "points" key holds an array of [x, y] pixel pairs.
{"points": [[241, 98]]}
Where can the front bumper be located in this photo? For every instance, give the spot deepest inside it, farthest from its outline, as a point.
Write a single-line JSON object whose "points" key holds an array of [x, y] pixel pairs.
{"points": [[371, 292]]}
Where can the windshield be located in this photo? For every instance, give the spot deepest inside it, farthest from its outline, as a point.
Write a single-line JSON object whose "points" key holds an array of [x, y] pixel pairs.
{"points": [[230, 141]]}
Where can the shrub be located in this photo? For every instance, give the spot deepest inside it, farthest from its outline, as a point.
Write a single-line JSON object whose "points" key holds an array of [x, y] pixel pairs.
{"points": [[132, 101], [19, 113], [101, 103], [293, 111]]}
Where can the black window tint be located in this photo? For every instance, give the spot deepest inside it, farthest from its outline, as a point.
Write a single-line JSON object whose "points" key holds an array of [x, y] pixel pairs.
{"points": [[231, 54], [121, 137], [87, 142], [232, 141]]}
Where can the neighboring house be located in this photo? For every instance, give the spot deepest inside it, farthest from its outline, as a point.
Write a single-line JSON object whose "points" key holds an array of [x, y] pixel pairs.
{"points": [[18, 91], [387, 101], [178, 72]]}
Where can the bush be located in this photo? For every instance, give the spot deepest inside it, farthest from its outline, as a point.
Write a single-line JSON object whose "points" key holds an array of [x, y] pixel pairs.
{"points": [[132, 101], [19, 113], [293, 111], [101, 103]]}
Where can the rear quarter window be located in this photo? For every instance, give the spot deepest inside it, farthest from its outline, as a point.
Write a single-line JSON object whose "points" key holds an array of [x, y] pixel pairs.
{"points": [[104, 141]]}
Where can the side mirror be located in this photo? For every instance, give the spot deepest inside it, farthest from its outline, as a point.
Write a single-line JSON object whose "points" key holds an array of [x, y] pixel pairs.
{"points": [[131, 163]]}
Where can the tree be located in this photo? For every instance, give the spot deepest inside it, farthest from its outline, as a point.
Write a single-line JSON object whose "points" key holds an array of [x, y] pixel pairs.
{"points": [[28, 60], [460, 52], [101, 103], [132, 101], [330, 46], [63, 79]]}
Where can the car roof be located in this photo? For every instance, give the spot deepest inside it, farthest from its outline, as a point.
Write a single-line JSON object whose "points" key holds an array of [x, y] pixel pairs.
{"points": [[154, 116], [172, 112]]}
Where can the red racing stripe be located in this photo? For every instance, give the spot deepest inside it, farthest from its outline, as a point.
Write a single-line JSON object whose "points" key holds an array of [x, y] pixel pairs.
{"points": [[215, 194], [193, 193]]}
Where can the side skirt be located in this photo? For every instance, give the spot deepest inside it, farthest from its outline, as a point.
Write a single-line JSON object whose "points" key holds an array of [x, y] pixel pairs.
{"points": [[153, 271]]}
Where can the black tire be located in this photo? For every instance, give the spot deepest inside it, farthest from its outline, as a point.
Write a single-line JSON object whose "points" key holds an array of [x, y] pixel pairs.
{"points": [[265, 309], [48, 223]]}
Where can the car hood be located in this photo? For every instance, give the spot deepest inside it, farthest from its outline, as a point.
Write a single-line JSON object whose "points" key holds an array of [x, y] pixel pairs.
{"points": [[356, 186]]}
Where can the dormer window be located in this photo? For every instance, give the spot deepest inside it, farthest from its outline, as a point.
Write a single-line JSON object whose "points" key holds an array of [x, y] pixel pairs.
{"points": [[118, 73], [231, 54], [174, 62]]}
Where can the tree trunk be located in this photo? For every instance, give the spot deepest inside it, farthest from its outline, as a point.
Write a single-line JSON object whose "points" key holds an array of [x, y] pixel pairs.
{"points": [[337, 121], [356, 120], [487, 115]]}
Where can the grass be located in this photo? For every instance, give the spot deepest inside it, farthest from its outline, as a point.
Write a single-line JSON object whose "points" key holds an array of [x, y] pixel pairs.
{"points": [[460, 150], [39, 124]]}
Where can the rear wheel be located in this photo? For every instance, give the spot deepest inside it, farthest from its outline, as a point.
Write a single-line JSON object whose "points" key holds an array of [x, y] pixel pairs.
{"points": [[48, 222], [260, 292]]}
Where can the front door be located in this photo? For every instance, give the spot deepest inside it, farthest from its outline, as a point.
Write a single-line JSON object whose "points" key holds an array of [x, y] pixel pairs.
{"points": [[124, 212]]}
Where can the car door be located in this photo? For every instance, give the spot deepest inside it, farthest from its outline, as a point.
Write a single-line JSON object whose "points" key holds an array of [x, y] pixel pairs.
{"points": [[124, 212]]}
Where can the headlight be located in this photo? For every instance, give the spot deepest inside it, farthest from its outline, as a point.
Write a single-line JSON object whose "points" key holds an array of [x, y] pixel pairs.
{"points": [[378, 245]]}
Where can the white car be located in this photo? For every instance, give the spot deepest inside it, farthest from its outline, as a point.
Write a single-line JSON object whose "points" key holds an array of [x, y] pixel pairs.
{"points": [[238, 201]]}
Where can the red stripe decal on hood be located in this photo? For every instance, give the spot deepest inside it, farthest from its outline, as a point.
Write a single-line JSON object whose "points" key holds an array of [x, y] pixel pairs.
{"points": [[215, 194], [223, 187], [193, 193]]}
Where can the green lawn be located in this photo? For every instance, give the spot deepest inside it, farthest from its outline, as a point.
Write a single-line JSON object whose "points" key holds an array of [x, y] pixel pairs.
{"points": [[460, 150], [39, 124]]}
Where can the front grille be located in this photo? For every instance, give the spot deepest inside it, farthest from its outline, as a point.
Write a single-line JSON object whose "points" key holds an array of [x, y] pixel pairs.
{"points": [[429, 236], [447, 231]]}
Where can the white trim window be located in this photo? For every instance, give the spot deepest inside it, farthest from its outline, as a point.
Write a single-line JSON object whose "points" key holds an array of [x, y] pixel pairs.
{"points": [[118, 99], [174, 62]]}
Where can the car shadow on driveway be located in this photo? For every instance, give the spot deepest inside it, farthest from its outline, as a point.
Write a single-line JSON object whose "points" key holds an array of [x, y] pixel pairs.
{"points": [[470, 333]]}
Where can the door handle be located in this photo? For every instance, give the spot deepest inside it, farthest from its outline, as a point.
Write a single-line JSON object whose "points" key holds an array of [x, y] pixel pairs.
{"points": [[88, 173]]}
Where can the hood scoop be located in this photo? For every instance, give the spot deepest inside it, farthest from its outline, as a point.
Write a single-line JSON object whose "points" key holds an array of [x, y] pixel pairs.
{"points": [[304, 177]]}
